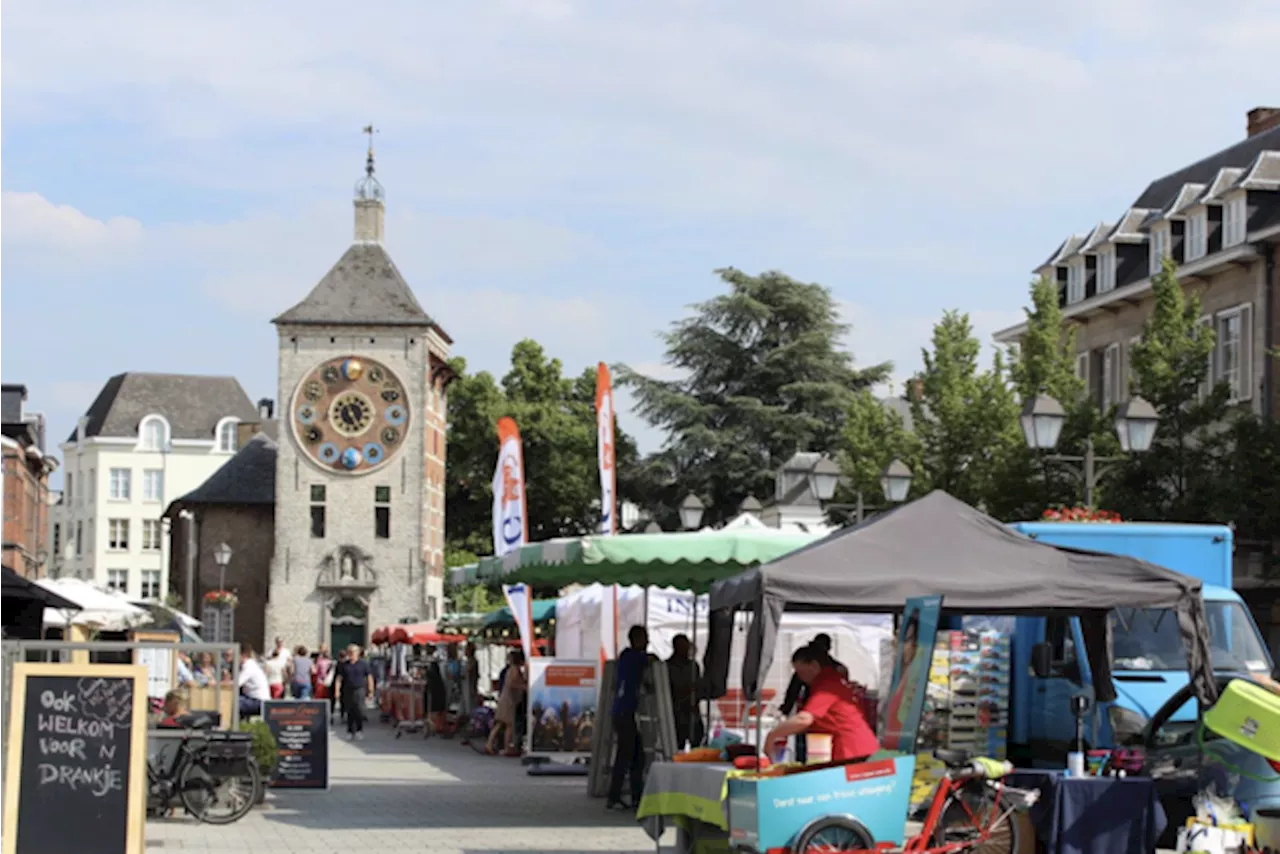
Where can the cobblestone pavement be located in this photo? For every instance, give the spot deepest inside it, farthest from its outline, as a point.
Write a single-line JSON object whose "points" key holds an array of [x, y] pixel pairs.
{"points": [[422, 795]]}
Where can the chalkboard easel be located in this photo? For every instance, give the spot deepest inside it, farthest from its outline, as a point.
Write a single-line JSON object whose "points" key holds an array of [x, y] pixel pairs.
{"points": [[77, 748]]}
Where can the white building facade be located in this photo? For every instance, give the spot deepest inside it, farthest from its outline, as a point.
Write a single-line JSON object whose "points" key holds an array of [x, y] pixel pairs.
{"points": [[146, 439]]}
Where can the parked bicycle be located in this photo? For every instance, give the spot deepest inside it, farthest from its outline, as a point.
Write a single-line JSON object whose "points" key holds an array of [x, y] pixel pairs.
{"points": [[972, 812], [212, 774]]}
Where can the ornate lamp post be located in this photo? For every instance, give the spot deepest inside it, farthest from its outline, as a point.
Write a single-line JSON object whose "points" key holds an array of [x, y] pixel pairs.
{"points": [[220, 605]]}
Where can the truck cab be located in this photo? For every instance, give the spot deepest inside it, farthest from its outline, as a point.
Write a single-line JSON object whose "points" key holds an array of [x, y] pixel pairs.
{"points": [[1148, 660]]}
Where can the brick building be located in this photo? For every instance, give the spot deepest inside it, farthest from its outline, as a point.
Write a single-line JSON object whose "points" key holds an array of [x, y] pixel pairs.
{"points": [[27, 547]]}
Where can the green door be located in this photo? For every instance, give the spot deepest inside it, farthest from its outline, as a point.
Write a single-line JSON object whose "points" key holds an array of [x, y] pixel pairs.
{"points": [[345, 634]]}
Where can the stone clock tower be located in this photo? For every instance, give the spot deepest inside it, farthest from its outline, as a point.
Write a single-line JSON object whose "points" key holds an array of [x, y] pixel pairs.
{"points": [[359, 525]]}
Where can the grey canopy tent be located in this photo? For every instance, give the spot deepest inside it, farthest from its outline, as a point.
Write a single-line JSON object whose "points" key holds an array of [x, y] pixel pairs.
{"points": [[938, 545]]}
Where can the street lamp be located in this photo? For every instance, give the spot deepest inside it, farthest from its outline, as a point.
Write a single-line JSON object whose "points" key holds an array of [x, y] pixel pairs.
{"points": [[1042, 420], [824, 477], [222, 557], [751, 506], [691, 511], [896, 482]]}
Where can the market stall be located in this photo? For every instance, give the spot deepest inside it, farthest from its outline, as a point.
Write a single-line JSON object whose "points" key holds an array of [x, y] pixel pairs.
{"points": [[977, 566], [401, 698]]}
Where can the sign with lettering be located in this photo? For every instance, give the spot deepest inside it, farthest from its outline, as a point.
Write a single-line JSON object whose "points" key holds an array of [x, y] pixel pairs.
{"points": [[77, 750], [301, 728]]}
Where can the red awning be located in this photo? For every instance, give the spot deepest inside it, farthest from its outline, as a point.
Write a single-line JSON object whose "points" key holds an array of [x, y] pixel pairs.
{"points": [[421, 633]]}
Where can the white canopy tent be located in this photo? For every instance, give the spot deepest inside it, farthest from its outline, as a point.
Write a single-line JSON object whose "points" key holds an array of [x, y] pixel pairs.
{"points": [[99, 609]]}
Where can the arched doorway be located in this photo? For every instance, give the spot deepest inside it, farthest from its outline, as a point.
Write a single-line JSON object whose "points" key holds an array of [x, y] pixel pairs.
{"points": [[348, 624]]}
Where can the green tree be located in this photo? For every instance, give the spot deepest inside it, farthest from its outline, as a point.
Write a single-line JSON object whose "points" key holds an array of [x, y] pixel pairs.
{"points": [[1176, 480], [966, 417], [875, 436], [762, 376], [556, 417]]}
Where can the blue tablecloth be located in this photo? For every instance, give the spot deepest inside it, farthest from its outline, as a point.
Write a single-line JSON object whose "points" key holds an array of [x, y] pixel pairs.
{"points": [[1093, 815]]}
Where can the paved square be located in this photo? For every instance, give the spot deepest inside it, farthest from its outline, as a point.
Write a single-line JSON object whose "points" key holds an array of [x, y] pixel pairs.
{"points": [[422, 795]]}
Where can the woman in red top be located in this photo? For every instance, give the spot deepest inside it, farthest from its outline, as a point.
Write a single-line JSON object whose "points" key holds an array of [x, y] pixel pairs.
{"points": [[831, 708]]}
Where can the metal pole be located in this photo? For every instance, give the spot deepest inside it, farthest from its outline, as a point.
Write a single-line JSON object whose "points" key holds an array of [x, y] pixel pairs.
{"points": [[190, 591], [861, 509], [1090, 473]]}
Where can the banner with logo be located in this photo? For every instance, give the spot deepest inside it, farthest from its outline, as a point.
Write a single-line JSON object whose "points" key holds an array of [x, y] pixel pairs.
{"points": [[912, 660], [562, 706], [520, 601], [510, 521], [609, 624], [605, 451]]}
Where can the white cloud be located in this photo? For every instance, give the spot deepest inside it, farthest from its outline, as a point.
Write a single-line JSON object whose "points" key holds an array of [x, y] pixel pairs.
{"points": [[31, 220]]}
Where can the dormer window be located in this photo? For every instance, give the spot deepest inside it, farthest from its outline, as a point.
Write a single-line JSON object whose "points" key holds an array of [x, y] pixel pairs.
{"points": [[1159, 247], [1075, 280], [1197, 235], [153, 434], [1234, 220], [1106, 269], [228, 433]]}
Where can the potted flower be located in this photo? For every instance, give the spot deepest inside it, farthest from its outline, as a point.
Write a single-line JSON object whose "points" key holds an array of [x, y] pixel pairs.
{"points": [[221, 599], [1080, 514], [264, 751]]}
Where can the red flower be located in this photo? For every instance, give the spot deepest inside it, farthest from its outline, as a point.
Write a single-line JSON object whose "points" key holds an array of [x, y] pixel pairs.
{"points": [[1080, 514]]}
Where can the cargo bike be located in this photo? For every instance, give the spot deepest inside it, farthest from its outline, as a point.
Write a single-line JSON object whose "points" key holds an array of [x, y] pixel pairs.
{"points": [[863, 808]]}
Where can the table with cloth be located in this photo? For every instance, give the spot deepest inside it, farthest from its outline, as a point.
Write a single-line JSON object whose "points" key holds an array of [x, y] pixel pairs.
{"points": [[1092, 815], [693, 796]]}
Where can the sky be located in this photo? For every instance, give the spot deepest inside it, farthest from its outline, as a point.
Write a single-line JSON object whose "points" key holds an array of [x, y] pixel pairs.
{"points": [[174, 175]]}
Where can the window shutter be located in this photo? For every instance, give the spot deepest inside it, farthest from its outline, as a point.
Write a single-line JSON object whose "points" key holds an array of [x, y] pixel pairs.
{"points": [[1206, 386], [1246, 353]]}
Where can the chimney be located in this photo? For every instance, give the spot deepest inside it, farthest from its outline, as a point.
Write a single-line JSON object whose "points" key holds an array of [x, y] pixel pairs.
{"points": [[369, 216], [1263, 119], [266, 408]]}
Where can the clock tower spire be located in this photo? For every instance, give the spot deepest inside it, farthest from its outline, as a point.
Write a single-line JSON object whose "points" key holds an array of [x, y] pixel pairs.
{"points": [[370, 210]]}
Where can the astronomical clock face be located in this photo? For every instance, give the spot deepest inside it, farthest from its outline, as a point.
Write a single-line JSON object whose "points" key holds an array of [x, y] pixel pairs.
{"points": [[350, 414]]}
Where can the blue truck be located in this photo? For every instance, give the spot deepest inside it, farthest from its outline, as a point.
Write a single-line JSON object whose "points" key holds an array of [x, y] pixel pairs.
{"points": [[1149, 663]]}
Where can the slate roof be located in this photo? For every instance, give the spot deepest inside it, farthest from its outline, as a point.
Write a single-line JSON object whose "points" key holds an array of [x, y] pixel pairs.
{"points": [[1161, 192], [247, 478], [193, 405], [363, 289]]}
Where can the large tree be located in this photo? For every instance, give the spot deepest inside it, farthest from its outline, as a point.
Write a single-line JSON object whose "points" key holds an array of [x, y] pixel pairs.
{"points": [[556, 417], [966, 416], [761, 375], [875, 436], [1178, 478]]}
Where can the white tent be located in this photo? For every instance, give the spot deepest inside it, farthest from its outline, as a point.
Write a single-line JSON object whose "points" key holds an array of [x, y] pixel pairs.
{"points": [[99, 608]]}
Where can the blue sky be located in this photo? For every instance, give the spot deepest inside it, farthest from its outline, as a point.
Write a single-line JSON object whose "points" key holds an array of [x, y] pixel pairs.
{"points": [[174, 175]]}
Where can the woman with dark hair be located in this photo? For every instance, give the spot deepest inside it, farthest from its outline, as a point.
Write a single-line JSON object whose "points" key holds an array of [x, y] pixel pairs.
{"points": [[509, 701], [830, 708], [900, 701]]}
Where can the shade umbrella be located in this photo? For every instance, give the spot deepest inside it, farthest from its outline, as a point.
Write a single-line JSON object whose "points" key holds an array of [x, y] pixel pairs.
{"points": [[96, 608]]}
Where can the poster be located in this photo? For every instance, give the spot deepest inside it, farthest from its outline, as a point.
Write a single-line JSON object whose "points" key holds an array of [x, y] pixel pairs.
{"points": [[562, 705], [912, 658]]}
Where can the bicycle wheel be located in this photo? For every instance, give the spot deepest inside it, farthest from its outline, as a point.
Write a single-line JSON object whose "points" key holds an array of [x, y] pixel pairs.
{"points": [[974, 818], [833, 834], [215, 799]]}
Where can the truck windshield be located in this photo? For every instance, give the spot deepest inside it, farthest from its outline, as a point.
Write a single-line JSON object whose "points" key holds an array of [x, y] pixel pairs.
{"points": [[1148, 639]]}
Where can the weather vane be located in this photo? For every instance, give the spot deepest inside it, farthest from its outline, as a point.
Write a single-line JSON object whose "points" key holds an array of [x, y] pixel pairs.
{"points": [[368, 163]]}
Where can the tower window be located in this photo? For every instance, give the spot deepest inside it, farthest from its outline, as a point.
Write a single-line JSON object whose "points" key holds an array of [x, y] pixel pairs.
{"points": [[317, 511], [382, 512]]}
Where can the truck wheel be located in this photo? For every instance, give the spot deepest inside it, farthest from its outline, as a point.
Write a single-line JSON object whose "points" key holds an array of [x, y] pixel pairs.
{"points": [[833, 834]]}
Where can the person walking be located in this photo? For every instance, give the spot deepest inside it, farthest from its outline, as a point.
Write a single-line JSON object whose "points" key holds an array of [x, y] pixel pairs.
{"points": [[628, 759], [276, 667], [300, 671], [683, 673], [354, 684], [509, 701]]}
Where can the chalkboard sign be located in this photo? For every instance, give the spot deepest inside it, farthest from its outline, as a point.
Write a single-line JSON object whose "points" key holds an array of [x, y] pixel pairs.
{"points": [[77, 779], [301, 728]]}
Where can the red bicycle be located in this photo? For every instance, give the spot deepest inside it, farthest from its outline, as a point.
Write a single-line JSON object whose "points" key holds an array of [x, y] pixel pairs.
{"points": [[972, 812]]}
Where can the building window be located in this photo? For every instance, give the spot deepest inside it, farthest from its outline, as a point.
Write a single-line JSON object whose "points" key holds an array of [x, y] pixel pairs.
{"points": [[1106, 270], [1207, 385], [154, 433], [151, 535], [1110, 377], [1234, 220], [79, 538], [1082, 366], [90, 487], [1075, 281], [227, 434], [150, 587], [1159, 248], [120, 484], [118, 579], [118, 534], [317, 511], [69, 489], [1234, 351], [1197, 235], [153, 485], [382, 512]]}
